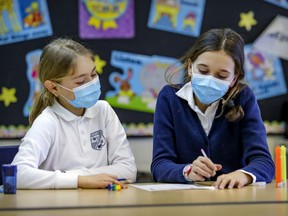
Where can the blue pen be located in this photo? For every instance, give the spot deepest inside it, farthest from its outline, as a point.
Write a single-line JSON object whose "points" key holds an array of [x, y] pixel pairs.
{"points": [[125, 180]]}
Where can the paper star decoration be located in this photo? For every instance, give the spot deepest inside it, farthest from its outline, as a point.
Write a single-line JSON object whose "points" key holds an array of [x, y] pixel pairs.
{"points": [[8, 96], [247, 20], [99, 64]]}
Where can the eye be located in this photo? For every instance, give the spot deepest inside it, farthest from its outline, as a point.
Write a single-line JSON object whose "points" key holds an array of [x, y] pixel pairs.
{"points": [[80, 83], [222, 77], [94, 75], [203, 71]]}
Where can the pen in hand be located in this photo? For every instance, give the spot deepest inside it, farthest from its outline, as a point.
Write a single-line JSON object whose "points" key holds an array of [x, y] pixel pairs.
{"points": [[203, 153], [218, 166]]}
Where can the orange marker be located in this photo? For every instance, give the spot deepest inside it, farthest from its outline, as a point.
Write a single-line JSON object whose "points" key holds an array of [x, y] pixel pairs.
{"points": [[278, 167]]}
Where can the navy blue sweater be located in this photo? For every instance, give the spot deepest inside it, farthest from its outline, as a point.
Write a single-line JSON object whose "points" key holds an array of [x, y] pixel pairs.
{"points": [[179, 137]]}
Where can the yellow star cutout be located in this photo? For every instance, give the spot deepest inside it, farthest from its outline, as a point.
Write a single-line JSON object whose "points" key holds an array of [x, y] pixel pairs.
{"points": [[247, 20], [8, 96], [99, 64]]}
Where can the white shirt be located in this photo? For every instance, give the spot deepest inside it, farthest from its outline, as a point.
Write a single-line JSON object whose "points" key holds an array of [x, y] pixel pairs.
{"points": [[207, 118], [61, 146]]}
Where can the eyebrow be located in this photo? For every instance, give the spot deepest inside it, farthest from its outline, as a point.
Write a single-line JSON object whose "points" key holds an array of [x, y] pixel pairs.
{"points": [[221, 70], [82, 75]]}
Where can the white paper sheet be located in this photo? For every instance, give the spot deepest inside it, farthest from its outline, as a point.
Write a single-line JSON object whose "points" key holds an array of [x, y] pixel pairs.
{"points": [[163, 187]]}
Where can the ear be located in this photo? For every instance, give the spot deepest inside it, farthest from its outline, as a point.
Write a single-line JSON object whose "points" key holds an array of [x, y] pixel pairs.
{"points": [[189, 66], [52, 87]]}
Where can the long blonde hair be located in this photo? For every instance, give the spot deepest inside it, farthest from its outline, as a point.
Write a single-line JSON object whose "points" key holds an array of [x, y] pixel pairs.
{"points": [[57, 60], [215, 40]]}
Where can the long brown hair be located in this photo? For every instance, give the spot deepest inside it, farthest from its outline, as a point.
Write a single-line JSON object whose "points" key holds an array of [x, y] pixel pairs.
{"points": [[215, 40], [57, 61]]}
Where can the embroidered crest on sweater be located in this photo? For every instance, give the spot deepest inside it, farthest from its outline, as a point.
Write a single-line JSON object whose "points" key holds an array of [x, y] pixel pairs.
{"points": [[97, 140]]}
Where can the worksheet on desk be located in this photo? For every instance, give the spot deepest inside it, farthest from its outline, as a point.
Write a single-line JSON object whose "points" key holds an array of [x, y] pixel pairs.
{"points": [[163, 187]]}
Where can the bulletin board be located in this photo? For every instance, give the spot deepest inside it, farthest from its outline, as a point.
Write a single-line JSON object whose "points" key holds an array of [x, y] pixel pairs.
{"points": [[143, 41]]}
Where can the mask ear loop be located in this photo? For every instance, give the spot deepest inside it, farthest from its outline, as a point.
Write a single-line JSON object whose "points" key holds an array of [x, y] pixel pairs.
{"points": [[189, 67], [65, 89]]}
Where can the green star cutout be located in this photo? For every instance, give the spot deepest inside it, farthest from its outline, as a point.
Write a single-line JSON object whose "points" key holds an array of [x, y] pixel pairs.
{"points": [[8, 96], [99, 64], [247, 20]]}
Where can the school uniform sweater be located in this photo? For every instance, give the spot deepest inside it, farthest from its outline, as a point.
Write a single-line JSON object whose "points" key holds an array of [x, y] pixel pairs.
{"points": [[179, 137]]}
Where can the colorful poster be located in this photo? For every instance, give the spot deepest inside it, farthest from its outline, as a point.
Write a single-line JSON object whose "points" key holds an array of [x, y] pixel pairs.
{"points": [[178, 16], [32, 61], [274, 39], [280, 3], [264, 73], [23, 20], [142, 77], [106, 18]]}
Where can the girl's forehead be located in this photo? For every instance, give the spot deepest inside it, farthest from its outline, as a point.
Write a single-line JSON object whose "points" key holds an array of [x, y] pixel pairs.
{"points": [[83, 66], [215, 55], [216, 59]]}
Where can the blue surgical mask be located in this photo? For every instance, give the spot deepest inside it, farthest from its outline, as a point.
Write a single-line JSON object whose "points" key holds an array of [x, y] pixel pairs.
{"points": [[208, 88], [86, 95]]}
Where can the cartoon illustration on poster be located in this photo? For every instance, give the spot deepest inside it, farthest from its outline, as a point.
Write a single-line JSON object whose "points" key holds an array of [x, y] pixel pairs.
{"points": [[23, 20], [32, 61], [106, 18], [274, 39], [280, 3], [178, 16], [142, 77], [264, 73]]}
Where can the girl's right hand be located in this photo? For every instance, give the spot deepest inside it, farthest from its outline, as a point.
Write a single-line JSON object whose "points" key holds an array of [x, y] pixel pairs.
{"points": [[98, 181], [203, 168]]}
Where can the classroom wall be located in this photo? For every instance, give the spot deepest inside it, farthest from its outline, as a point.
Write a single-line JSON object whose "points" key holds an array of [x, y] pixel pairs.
{"points": [[147, 41]]}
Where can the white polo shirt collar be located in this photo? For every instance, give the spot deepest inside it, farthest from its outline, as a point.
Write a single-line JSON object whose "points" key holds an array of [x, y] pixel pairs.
{"points": [[69, 116], [207, 118]]}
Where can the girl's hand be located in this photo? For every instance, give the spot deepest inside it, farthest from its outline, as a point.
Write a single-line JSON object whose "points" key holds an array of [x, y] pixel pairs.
{"points": [[203, 168], [236, 179], [98, 181]]}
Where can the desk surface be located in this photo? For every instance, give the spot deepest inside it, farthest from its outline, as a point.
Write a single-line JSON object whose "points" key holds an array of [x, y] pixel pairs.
{"points": [[132, 199], [235, 210]]}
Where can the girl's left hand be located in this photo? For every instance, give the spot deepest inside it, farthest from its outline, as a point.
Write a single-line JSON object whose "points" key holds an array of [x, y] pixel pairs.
{"points": [[236, 179]]}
